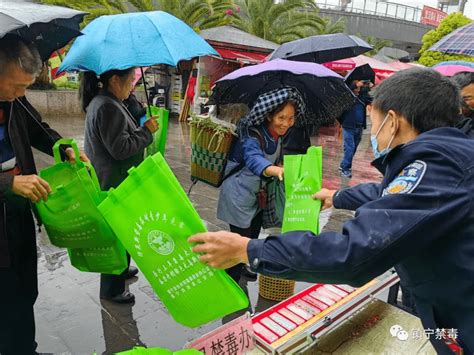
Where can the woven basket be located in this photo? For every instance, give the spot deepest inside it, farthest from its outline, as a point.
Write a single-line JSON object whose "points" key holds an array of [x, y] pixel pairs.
{"points": [[275, 289], [208, 155]]}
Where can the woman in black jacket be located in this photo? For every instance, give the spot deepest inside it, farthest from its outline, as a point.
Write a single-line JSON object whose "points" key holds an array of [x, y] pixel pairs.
{"points": [[114, 143]]}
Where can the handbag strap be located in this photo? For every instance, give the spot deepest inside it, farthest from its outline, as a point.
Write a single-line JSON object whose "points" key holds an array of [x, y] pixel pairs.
{"points": [[65, 141], [72, 143]]}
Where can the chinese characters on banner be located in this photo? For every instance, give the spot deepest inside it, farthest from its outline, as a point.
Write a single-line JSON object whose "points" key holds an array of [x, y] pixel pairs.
{"points": [[432, 16], [233, 338]]}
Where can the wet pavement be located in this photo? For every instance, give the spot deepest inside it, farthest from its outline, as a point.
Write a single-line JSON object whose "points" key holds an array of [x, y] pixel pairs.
{"points": [[71, 318]]}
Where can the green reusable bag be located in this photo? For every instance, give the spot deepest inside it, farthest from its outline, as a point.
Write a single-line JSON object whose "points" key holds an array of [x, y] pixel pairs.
{"points": [[303, 178], [153, 218], [70, 215], [109, 259], [159, 137]]}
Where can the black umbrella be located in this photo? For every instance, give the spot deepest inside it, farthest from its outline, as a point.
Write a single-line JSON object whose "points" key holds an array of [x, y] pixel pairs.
{"points": [[322, 49], [48, 27], [363, 72]]}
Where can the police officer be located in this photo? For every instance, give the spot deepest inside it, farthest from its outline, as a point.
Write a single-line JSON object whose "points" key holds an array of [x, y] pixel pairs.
{"points": [[20, 129], [420, 218]]}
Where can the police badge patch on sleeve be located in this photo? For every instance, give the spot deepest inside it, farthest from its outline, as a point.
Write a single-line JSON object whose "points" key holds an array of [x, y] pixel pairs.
{"points": [[408, 179]]}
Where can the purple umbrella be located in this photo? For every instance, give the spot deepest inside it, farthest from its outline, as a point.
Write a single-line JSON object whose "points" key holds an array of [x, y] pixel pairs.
{"points": [[450, 70], [324, 92]]}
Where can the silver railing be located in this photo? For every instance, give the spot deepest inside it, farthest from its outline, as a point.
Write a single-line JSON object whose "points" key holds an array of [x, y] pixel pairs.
{"points": [[373, 7]]}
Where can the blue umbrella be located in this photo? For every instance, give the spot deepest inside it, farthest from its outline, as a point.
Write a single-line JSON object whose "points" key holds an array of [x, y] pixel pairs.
{"points": [[460, 41], [134, 39]]}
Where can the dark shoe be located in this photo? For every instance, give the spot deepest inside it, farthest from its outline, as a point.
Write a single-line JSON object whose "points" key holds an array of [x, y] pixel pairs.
{"points": [[131, 272], [125, 297], [346, 173]]}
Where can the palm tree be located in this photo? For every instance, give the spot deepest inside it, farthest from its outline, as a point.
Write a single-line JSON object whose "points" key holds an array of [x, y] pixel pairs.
{"points": [[199, 14], [329, 27], [377, 44], [279, 22], [95, 8]]}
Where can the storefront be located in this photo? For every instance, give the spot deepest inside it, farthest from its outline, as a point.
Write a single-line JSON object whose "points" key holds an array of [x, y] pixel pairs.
{"points": [[236, 49]]}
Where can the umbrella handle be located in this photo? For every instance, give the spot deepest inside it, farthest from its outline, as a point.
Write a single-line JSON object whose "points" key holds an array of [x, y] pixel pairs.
{"points": [[146, 92]]}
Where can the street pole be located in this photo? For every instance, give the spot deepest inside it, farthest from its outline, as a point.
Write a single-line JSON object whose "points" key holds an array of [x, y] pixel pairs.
{"points": [[462, 4]]}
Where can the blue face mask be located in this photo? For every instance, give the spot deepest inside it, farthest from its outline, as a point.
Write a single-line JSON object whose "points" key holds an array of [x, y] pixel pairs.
{"points": [[375, 144]]}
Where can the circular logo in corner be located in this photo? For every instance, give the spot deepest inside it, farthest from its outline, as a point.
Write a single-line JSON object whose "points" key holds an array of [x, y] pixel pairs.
{"points": [[160, 242]]}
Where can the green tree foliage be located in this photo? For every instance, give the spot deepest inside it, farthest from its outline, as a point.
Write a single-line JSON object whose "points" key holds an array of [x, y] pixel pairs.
{"points": [[279, 22], [329, 27], [95, 8], [447, 25], [199, 14], [377, 44]]}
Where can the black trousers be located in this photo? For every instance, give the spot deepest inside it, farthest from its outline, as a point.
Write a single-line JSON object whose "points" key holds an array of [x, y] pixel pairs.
{"points": [[113, 285], [19, 280], [251, 232]]}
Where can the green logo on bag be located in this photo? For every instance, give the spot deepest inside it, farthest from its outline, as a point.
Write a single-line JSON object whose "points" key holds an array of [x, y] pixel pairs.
{"points": [[160, 242]]}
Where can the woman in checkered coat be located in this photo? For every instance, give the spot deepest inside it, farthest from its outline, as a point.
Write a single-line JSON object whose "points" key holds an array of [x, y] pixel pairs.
{"points": [[255, 159]]}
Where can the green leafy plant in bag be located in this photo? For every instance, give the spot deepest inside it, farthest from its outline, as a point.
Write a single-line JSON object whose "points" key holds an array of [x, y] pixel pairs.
{"points": [[153, 218], [303, 178], [159, 137], [70, 215]]}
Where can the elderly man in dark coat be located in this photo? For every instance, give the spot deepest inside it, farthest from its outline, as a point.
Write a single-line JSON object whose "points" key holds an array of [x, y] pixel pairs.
{"points": [[21, 128]]}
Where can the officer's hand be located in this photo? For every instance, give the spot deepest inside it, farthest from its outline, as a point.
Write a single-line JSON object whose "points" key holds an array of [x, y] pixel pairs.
{"points": [[71, 156], [222, 249], [152, 124], [31, 186], [325, 196]]}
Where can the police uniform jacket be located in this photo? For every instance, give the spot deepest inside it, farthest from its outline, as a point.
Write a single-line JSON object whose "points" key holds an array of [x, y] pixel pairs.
{"points": [[420, 218]]}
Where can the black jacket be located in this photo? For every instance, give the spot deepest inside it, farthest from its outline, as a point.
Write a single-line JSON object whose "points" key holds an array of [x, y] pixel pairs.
{"points": [[296, 141], [112, 140], [465, 124], [25, 129]]}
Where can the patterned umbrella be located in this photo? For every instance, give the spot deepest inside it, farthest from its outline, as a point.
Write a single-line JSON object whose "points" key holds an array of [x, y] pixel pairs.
{"points": [[460, 41]]}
